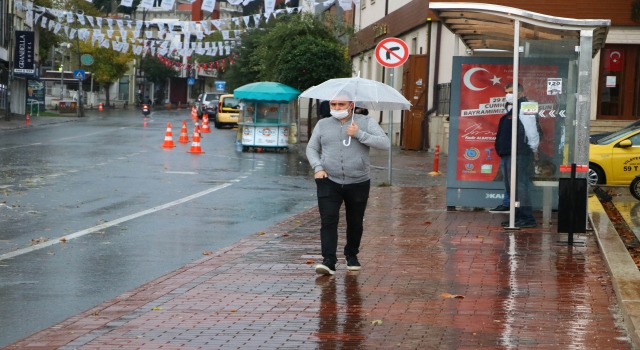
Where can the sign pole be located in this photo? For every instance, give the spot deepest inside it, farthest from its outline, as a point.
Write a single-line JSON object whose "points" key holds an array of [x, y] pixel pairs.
{"points": [[391, 71], [391, 53]]}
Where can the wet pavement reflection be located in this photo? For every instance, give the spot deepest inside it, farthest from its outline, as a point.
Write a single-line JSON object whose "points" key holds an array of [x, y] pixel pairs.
{"points": [[431, 279]]}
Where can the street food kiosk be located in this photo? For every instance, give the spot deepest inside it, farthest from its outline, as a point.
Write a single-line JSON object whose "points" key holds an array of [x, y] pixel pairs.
{"points": [[266, 114]]}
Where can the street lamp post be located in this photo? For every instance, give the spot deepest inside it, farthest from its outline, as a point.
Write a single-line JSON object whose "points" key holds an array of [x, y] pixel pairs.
{"points": [[79, 111], [62, 45]]}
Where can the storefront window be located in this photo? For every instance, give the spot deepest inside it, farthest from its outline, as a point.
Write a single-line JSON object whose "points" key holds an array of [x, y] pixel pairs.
{"points": [[619, 84]]}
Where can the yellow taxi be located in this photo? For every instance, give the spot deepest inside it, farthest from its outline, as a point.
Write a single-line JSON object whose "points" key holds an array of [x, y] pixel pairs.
{"points": [[228, 111], [615, 159]]}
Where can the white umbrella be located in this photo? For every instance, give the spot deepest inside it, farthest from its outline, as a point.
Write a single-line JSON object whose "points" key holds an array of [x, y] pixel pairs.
{"points": [[365, 93]]}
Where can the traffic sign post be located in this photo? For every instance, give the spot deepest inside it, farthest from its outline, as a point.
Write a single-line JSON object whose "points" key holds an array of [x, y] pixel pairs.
{"points": [[191, 81], [79, 74], [391, 53]]}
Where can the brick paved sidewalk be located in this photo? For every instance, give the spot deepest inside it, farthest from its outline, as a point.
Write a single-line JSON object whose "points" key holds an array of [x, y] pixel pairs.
{"points": [[521, 290]]}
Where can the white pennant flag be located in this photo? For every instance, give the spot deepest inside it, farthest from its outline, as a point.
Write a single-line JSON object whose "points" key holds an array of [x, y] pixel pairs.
{"points": [[72, 34], [208, 5], [105, 43], [200, 51], [69, 17], [99, 21], [205, 27], [43, 23], [129, 23], [236, 20], [120, 23], [52, 24], [214, 51], [237, 33], [109, 33], [127, 3], [66, 29], [90, 19], [267, 15], [123, 34], [228, 50], [167, 4], [153, 50], [136, 33], [81, 19], [199, 35], [235, 2], [170, 24], [225, 34], [246, 20], [125, 48], [109, 22], [269, 6], [193, 26], [147, 4], [139, 25], [148, 34], [291, 9], [246, 2], [256, 19], [217, 23]]}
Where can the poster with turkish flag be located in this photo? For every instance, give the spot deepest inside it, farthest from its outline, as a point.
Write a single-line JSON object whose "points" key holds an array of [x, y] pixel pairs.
{"points": [[613, 60], [482, 103]]}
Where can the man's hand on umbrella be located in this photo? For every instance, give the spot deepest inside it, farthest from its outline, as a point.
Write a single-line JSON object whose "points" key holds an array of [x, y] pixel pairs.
{"points": [[352, 129]]}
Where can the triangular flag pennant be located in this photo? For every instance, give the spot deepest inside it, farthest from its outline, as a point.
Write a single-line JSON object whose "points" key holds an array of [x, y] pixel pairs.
{"points": [[123, 34], [246, 20], [236, 20], [90, 19], [120, 23], [225, 34], [105, 44], [81, 19], [127, 3], [43, 23], [167, 4], [267, 15], [109, 22], [291, 9], [72, 34], [99, 21], [208, 5], [269, 6], [148, 34], [237, 33], [256, 19], [217, 23], [109, 33], [66, 30], [199, 35], [205, 27]]}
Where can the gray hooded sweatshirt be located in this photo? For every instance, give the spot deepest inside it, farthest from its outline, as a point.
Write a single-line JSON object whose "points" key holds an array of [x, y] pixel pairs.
{"points": [[345, 164]]}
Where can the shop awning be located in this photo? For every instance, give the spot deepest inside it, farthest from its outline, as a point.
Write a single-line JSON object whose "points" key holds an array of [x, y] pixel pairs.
{"points": [[487, 26]]}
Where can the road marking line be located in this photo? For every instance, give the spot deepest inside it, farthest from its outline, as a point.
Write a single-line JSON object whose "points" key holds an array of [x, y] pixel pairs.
{"points": [[181, 172], [110, 223], [62, 139], [6, 186]]}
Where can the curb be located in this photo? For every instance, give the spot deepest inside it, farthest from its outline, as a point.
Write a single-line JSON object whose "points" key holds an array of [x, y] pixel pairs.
{"points": [[624, 273]]}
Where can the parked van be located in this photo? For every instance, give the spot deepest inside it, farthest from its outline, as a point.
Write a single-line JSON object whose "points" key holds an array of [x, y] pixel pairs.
{"points": [[228, 111]]}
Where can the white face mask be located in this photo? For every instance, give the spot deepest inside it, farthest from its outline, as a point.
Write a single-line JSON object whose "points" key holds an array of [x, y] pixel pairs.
{"points": [[509, 98], [509, 108], [340, 113]]}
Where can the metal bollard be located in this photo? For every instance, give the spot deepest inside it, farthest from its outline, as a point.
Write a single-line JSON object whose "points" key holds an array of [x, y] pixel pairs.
{"points": [[436, 162]]}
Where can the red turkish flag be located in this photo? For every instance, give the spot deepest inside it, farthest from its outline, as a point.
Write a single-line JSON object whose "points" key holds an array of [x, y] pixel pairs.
{"points": [[613, 60]]}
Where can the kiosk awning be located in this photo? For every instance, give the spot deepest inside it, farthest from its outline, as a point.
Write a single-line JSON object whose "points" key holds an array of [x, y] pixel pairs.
{"points": [[487, 26]]}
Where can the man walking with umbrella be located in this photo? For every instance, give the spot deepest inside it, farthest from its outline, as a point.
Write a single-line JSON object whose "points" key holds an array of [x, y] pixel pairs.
{"points": [[338, 152]]}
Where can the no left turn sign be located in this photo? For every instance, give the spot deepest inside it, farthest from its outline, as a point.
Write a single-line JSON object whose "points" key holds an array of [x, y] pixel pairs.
{"points": [[392, 52]]}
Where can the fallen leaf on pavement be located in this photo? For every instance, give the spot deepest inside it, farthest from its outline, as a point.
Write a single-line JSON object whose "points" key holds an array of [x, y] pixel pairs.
{"points": [[479, 236], [427, 222], [157, 309], [207, 253], [63, 240], [261, 233], [452, 296], [286, 235], [233, 310], [309, 262], [376, 322], [297, 222], [391, 235]]}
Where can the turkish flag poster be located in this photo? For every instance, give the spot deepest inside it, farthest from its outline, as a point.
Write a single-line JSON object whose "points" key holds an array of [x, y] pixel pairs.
{"points": [[613, 60], [482, 103]]}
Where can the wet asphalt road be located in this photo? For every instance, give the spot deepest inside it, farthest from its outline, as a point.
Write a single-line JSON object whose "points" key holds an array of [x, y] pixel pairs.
{"points": [[61, 179]]}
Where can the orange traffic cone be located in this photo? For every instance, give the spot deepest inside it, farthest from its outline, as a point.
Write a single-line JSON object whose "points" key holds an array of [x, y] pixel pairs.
{"points": [[28, 121], [100, 108], [205, 124], [184, 136], [195, 145], [168, 138], [197, 129], [194, 113]]}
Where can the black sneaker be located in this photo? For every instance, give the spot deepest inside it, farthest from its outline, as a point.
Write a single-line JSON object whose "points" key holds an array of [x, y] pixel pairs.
{"points": [[352, 263], [326, 268], [499, 209]]}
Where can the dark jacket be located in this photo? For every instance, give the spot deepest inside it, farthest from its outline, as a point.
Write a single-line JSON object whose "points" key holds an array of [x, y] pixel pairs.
{"points": [[503, 137]]}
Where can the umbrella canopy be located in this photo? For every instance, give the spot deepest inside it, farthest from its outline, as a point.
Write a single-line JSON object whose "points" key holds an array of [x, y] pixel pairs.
{"points": [[266, 91], [365, 93]]}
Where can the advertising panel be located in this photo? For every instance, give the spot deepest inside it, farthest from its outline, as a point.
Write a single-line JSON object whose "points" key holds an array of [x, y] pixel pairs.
{"points": [[23, 62], [283, 136], [35, 95], [266, 135], [482, 103], [248, 133]]}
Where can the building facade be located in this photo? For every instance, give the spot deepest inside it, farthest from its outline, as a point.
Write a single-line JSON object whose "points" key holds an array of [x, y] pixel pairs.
{"points": [[618, 63]]}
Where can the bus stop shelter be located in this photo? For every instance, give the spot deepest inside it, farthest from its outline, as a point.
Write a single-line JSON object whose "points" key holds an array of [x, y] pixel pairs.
{"points": [[552, 60]]}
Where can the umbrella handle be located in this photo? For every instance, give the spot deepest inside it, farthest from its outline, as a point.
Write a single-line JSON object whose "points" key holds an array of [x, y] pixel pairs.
{"points": [[347, 143]]}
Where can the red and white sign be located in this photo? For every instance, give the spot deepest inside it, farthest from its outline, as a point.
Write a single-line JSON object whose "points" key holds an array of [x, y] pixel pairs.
{"points": [[392, 52]]}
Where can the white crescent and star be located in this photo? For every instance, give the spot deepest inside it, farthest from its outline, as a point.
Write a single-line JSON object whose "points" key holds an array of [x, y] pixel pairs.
{"points": [[615, 53], [470, 86]]}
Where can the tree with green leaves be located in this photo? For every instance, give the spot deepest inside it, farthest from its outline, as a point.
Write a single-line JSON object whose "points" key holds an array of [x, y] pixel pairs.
{"points": [[108, 65], [156, 72], [300, 50]]}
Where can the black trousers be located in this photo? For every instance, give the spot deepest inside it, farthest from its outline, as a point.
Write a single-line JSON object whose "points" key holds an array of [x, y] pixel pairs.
{"points": [[330, 198]]}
